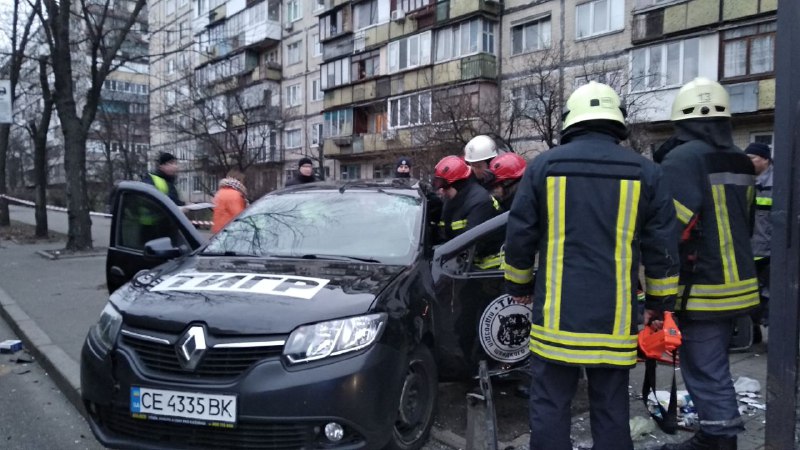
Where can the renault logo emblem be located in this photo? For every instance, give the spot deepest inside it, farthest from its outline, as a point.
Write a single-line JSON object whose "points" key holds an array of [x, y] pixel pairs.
{"points": [[191, 347]]}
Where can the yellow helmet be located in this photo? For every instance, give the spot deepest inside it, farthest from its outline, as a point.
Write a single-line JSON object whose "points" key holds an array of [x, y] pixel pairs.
{"points": [[699, 98], [593, 101]]}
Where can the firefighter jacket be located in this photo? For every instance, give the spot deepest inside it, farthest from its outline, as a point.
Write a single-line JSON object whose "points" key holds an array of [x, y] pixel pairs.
{"points": [[712, 183], [762, 231], [471, 206], [592, 211]]}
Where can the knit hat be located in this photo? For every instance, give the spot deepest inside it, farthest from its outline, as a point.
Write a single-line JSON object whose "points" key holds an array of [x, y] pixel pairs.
{"points": [[164, 158], [304, 161], [403, 162], [759, 149]]}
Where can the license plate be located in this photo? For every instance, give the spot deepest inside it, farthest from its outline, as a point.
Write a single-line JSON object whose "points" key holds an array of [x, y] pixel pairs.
{"points": [[183, 407]]}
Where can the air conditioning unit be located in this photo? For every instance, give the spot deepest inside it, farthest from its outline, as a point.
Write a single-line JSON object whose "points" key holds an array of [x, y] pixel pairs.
{"points": [[389, 135], [288, 27], [398, 15]]}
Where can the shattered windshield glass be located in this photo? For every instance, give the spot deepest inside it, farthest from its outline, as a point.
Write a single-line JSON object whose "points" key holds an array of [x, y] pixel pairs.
{"points": [[362, 225]]}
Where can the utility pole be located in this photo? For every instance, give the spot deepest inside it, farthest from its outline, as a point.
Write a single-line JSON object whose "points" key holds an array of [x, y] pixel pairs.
{"points": [[784, 328]]}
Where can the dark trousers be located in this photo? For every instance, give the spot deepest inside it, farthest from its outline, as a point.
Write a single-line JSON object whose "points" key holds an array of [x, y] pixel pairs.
{"points": [[706, 371], [761, 314], [552, 389]]}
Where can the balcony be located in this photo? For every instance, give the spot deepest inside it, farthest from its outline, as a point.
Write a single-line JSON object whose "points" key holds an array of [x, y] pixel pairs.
{"points": [[482, 65], [460, 8]]}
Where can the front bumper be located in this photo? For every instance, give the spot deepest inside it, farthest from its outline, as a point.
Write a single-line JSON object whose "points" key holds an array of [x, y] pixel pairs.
{"points": [[278, 407]]}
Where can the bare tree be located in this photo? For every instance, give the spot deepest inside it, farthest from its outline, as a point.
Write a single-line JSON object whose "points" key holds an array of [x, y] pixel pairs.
{"points": [[103, 27], [233, 124], [19, 35], [38, 128], [122, 134]]}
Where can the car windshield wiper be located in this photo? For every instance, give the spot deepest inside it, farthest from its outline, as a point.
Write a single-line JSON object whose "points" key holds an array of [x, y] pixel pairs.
{"points": [[324, 256], [226, 253]]}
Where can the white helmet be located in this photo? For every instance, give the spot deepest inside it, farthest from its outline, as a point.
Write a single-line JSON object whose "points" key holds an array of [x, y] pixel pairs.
{"points": [[480, 148]]}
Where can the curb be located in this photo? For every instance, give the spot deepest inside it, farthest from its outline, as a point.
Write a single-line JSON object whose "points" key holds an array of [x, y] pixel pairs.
{"points": [[61, 368]]}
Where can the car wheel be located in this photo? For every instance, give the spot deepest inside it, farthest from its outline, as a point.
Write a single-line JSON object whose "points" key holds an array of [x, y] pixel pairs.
{"points": [[417, 402]]}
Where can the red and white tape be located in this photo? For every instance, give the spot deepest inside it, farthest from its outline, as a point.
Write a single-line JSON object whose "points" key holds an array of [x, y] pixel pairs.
{"points": [[197, 223]]}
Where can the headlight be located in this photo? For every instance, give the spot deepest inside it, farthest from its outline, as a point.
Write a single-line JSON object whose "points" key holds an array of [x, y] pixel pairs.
{"points": [[312, 342], [105, 331]]}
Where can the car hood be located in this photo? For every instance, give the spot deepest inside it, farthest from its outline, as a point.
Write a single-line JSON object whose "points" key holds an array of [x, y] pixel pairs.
{"points": [[239, 296]]}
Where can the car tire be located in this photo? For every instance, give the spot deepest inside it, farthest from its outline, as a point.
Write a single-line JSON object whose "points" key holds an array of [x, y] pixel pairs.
{"points": [[417, 405]]}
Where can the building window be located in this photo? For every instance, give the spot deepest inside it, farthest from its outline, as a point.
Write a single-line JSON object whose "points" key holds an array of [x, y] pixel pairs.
{"points": [[598, 17], [317, 45], [335, 73], [410, 110], [365, 14], [531, 36], [319, 5], [339, 122], [197, 183], [171, 66], [382, 171], [316, 90], [762, 137], [465, 39], [293, 95], [410, 52], [332, 24], [665, 65], [170, 7], [367, 65], [293, 53], [351, 171], [316, 134], [411, 5], [749, 50], [293, 138], [294, 10]]}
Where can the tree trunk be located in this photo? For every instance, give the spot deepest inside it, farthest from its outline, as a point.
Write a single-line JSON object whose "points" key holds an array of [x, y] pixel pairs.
{"points": [[5, 217], [40, 174], [79, 236]]}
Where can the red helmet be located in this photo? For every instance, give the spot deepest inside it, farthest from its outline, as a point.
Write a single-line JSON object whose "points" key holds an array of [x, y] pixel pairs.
{"points": [[451, 169], [507, 166]]}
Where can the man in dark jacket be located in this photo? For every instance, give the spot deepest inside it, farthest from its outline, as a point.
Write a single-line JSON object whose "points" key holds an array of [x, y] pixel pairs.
{"points": [[164, 177], [712, 185], [593, 211], [466, 203], [761, 156], [403, 168], [305, 173]]}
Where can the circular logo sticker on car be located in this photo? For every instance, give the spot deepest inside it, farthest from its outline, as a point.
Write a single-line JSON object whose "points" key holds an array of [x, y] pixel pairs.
{"points": [[504, 329]]}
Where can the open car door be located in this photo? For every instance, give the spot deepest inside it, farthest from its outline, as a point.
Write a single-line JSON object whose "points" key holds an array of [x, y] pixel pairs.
{"points": [[147, 229]]}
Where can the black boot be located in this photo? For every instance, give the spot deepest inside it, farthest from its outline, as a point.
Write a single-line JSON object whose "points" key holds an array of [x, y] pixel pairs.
{"points": [[702, 441]]}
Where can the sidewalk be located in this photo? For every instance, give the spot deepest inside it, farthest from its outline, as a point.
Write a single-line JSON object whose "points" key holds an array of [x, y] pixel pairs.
{"points": [[52, 303]]}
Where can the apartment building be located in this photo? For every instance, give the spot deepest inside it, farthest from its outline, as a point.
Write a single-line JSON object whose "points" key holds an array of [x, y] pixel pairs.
{"points": [[237, 86], [414, 78], [732, 41]]}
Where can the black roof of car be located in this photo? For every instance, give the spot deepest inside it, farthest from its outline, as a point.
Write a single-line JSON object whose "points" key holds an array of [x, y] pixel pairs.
{"points": [[410, 185]]}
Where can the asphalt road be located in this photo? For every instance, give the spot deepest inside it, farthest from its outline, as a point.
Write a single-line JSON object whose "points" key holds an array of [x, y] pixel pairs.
{"points": [[34, 414]]}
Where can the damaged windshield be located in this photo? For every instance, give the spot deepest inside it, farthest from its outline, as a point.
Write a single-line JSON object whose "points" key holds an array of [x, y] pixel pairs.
{"points": [[360, 225]]}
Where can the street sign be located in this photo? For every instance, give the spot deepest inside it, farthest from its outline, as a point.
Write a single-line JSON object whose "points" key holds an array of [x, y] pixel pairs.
{"points": [[6, 111]]}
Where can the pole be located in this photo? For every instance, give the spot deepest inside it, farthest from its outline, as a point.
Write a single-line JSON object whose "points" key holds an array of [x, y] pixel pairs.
{"points": [[782, 365]]}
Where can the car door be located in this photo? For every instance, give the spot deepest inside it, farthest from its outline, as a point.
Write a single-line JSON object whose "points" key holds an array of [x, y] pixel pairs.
{"points": [[464, 291], [147, 229]]}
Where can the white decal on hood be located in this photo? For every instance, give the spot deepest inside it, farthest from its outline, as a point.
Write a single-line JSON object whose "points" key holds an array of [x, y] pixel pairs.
{"points": [[285, 285]]}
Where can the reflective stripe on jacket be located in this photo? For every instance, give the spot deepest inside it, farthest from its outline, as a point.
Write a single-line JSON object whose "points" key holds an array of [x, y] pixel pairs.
{"points": [[160, 184], [593, 211], [714, 183], [471, 206]]}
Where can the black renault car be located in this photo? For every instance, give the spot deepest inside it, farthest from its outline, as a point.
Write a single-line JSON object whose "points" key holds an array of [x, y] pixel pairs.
{"points": [[321, 317]]}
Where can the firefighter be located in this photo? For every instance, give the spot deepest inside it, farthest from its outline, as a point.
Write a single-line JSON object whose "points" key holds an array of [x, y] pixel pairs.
{"points": [[478, 153], [593, 211], [712, 184], [466, 204], [507, 169]]}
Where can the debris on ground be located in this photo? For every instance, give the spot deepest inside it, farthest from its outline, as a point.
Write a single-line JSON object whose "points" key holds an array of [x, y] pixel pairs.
{"points": [[641, 427], [10, 346]]}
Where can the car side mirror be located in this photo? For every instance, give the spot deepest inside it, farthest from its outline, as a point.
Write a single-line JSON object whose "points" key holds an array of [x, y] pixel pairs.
{"points": [[161, 248]]}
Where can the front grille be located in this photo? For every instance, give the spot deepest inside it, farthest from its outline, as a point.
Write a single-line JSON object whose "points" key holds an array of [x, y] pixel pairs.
{"points": [[245, 435], [216, 363]]}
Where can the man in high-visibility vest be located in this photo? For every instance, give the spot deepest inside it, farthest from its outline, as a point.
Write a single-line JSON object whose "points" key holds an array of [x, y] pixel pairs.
{"points": [[593, 211], [761, 156], [164, 177], [712, 184]]}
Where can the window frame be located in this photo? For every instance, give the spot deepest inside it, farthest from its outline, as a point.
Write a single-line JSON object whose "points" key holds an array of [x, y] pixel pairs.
{"points": [[292, 132], [538, 22], [294, 7], [749, 38], [289, 46], [294, 95], [409, 114], [395, 52], [591, 4], [456, 39], [317, 130], [663, 47]]}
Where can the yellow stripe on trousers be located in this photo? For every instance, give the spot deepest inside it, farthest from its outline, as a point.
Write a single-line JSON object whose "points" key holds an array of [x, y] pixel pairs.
{"points": [[556, 203], [729, 268], [629, 191]]}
